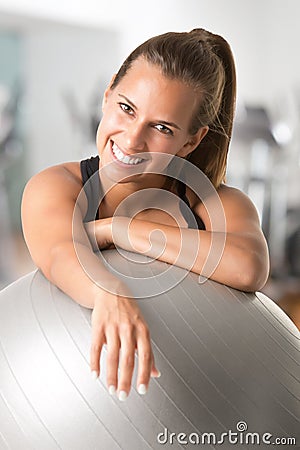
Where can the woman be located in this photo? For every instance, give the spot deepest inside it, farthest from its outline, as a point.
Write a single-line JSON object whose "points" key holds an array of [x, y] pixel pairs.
{"points": [[174, 96]]}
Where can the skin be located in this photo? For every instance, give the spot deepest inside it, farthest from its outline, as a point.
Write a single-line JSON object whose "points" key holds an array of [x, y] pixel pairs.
{"points": [[145, 114]]}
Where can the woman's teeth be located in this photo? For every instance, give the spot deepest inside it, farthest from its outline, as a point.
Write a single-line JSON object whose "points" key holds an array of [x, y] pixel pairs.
{"points": [[126, 159]]}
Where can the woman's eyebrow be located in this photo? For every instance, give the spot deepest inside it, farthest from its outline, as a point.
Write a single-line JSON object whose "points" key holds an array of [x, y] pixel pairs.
{"points": [[170, 124], [127, 101], [163, 122]]}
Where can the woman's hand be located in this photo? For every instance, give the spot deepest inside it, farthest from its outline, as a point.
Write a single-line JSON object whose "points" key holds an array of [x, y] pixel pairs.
{"points": [[118, 323]]}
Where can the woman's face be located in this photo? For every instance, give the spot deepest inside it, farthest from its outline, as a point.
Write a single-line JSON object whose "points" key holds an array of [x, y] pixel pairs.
{"points": [[144, 116]]}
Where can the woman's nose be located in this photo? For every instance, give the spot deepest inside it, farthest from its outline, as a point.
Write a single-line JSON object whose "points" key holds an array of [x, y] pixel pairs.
{"points": [[135, 138]]}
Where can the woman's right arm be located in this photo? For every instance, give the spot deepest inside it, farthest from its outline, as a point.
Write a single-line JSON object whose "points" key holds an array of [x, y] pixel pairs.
{"points": [[49, 218], [52, 218]]}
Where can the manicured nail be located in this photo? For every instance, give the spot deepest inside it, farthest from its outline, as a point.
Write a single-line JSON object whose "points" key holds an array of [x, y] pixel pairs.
{"points": [[112, 389], [94, 374], [122, 396], [156, 376], [142, 389]]}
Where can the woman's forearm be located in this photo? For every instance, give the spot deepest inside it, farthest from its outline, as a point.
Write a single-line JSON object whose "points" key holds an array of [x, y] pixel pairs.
{"points": [[228, 258], [78, 272]]}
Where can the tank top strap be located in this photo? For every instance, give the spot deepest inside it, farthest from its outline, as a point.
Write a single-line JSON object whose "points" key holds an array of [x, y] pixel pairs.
{"points": [[181, 191], [91, 185]]}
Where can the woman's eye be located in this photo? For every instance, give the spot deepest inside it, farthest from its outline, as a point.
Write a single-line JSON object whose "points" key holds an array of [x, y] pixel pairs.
{"points": [[126, 108], [163, 129]]}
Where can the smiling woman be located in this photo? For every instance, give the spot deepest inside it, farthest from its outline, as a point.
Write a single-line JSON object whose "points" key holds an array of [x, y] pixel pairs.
{"points": [[153, 117], [170, 105]]}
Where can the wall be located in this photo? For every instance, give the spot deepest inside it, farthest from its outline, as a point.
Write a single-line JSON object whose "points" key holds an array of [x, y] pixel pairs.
{"points": [[65, 74], [264, 33]]}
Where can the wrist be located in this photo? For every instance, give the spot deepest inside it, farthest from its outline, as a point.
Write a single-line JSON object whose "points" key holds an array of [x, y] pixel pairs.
{"points": [[111, 288]]}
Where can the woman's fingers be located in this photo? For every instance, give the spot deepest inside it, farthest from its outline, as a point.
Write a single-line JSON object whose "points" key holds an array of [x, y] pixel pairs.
{"points": [[112, 359], [120, 326], [128, 344], [155, 373], [98, 340], [145, 358]]}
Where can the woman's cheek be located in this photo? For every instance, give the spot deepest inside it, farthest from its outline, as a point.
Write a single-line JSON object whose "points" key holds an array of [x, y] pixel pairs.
{"points": [[162, 144]]}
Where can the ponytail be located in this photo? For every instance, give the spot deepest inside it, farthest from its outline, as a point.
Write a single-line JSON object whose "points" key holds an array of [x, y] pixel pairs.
{"points": [[211, 154]]}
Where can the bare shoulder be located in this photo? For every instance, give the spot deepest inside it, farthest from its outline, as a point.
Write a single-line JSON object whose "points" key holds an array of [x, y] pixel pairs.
{"points": [[50, 208], [234, 198], [52, 194], [64, 178], [240, 211]]}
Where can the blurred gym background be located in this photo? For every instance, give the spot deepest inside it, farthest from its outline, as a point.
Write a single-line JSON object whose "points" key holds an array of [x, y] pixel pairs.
{"points": [[56, 58]]}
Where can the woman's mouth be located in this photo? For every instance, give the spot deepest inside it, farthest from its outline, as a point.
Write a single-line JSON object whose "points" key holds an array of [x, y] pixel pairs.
{"points": [[124, 158]]}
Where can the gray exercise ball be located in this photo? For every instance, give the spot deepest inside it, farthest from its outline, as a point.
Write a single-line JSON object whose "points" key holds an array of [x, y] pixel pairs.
{"points": [[229, 365]]}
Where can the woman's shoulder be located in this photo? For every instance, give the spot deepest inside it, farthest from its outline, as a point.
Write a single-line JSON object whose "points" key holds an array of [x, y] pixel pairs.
{"points": [[73, 170], [224, 192], [235, 203], [69, 170], [64, 177], [234, 196]]}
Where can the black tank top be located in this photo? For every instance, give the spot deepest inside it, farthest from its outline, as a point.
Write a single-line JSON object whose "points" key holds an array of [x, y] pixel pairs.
{"points": [[93, 191]]}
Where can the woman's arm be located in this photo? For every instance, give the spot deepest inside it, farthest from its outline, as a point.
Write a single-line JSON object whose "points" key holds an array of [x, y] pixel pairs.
{"points": [[238, 256], [52, 217], [48, 216]]}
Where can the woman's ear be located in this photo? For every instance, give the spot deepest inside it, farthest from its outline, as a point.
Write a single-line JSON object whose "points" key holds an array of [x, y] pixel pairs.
{"points": [[193, 142], [107, 91]]}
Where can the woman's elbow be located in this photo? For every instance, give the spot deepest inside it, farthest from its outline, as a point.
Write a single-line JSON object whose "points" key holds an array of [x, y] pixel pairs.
{"points": [[254, 271]]}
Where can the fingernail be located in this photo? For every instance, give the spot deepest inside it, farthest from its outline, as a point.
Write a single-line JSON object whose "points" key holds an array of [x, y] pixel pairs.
{"points": [[94, 374], [112, 389], [156, 376], [142, 389], [122, 396]]}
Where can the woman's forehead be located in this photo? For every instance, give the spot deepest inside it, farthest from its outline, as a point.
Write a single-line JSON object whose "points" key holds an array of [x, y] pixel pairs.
{"points": [[145, 85]]}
